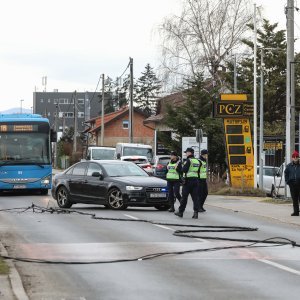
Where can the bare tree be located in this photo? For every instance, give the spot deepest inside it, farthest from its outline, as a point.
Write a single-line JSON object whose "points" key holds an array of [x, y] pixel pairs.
{"points": [[200, 38]]}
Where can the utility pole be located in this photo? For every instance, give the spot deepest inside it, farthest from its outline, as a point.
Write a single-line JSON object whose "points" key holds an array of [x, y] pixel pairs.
{"points": [[290, 84], [131, 103], [56, 129], [261, 122], [75, 124], [255, 100], [102, 112]]}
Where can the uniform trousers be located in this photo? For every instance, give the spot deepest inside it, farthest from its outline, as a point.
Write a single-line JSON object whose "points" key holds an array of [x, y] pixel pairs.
{"points": [[174, 191], [191, 187], [203, 191]]}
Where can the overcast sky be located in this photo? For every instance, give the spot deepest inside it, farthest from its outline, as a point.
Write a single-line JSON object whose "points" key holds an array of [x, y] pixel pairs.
{"points": [[72, 42]]}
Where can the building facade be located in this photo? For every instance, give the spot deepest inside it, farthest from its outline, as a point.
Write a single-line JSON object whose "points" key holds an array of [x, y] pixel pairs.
{"points": [[60, 108], [116, 129]]}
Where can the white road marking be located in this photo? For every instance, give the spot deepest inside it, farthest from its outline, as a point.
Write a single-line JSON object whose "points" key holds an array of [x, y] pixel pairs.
{"points": [[279, 266], [131, 217], [164, 227]]}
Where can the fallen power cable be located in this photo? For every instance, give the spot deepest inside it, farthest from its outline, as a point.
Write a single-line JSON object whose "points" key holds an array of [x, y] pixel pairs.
{"points": [[275, 241]]}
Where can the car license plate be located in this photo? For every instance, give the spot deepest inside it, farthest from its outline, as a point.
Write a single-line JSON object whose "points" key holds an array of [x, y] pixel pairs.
{"points": [[19, 186], [158, 195]]}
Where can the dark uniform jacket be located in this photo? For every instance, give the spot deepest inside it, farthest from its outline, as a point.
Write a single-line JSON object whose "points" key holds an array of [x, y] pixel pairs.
{"points": [[292, 173]]}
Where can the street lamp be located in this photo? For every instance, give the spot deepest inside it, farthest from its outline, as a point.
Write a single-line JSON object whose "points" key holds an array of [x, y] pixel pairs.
{"points": [[21, 104]]}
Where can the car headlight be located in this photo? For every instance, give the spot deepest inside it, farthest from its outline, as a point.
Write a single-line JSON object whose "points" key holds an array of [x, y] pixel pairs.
{"points": [[133, 188], [45, 180]]}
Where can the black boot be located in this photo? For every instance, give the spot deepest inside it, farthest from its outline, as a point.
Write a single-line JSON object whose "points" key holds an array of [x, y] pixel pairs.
{"points": [[295, 214], [201, 209], [195, 215], [179, 214], [172, 208]]}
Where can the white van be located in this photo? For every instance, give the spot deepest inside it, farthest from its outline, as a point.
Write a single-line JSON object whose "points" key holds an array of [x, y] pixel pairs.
{"points": [[100, 153], [131, 149]]}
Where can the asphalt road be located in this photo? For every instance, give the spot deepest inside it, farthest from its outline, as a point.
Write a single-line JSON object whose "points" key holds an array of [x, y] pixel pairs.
{"points": [[241, 273]]}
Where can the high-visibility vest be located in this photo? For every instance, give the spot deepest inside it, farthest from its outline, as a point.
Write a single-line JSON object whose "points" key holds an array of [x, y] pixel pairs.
{"points": [[172, 173], [193, 169], [203, 173]]}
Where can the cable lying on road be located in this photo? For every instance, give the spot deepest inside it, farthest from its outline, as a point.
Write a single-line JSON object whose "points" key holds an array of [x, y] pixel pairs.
{"points": [[275, 241]]}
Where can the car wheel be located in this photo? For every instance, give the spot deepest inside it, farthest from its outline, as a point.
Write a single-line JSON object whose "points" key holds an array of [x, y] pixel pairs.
{"points": [[44, 191], [162, 207], [115, 199], [62, 196]]}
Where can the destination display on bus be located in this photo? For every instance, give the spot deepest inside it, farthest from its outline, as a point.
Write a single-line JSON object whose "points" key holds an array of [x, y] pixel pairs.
{"points": [[23, 127]]}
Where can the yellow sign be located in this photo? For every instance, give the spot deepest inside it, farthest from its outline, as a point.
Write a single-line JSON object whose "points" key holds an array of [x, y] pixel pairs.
{"points": [[233, 109], [239, 152], [273, 145], [233, 97]]}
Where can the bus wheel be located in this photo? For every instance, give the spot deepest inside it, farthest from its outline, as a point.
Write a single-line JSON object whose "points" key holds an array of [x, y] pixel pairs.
{"points": [[62, 196], [44, 191]]}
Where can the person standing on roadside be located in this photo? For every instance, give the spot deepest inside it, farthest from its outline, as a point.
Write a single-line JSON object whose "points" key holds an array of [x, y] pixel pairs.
{"points": [[173, 177], [292, 178], [203, 190], [190, 170]]}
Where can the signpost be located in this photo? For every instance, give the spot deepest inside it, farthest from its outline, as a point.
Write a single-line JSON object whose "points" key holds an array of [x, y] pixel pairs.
{"points": [[235, 111]]}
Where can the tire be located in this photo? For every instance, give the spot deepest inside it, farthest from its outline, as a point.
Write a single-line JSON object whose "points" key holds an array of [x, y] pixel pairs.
{"points": [[44, 191], [63, 198], [115, 200], [162, 207]]}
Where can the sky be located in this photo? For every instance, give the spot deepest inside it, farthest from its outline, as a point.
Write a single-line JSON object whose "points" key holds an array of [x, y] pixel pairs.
{"points": [[73, 42]]}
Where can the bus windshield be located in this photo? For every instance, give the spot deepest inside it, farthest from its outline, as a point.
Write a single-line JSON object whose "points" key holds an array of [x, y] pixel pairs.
{"points": [[31, 148]]}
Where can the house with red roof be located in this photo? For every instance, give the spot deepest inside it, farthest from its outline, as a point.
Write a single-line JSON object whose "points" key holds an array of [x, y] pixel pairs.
{"points": [[116, 128]]}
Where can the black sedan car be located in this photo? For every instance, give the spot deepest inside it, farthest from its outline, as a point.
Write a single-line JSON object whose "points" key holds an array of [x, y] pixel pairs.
{"points": [[112, 183]]}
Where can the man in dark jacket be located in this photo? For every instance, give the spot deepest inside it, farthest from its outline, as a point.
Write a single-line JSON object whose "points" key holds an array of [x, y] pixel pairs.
{"points": [[292, 178], [173, 177], [190, 170]]}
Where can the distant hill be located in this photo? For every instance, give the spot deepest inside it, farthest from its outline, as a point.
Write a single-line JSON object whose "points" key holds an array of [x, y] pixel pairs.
{"points": [[16, 110]]}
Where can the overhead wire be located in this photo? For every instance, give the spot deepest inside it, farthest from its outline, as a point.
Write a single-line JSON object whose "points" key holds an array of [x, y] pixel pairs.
{"points": [[269, 242]]}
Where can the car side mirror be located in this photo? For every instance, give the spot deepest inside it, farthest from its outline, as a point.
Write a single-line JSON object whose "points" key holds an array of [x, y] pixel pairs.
{"points": [[118, 156], [98, 174]]}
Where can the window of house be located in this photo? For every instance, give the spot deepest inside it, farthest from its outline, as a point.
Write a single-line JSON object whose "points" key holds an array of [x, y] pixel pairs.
{"points": [[80, 114], [80, 101], [42, 100], [49, 100], [125, 124], [69, 115]]}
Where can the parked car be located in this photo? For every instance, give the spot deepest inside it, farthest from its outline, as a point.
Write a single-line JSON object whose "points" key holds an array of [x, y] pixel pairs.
{"points": [[112, 183], [141, 161], [159, 165], [269, 179]]}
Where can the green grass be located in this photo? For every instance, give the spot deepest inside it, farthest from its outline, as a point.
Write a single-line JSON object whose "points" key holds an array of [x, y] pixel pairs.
{"points": [[276, 201], [3, 267]]}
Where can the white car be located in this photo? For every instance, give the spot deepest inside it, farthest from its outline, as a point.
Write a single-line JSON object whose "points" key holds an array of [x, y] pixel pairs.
{"points": [[270, 177]]}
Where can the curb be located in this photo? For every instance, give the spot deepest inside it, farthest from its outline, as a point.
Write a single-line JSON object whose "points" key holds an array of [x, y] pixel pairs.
{"points": [[14, 278]]}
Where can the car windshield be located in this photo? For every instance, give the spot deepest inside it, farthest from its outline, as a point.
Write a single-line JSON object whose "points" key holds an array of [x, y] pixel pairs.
{"points": [[99, 154], [164, 160], [138, 151], [123, 169]]}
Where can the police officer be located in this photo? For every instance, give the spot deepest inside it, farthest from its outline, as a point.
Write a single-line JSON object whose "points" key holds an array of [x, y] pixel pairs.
{"points": [[190, 170], [203, 190], [173, 176]]}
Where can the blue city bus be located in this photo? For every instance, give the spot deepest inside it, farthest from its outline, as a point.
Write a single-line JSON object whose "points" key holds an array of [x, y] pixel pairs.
{"points": [[25, 153]]}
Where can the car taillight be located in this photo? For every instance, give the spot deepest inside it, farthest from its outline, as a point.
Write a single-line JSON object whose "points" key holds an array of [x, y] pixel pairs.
{"points": [[159, 166], [147, 167]]}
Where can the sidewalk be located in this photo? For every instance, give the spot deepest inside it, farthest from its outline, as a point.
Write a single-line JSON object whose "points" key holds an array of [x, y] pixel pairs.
{"points": [[255, 206]]}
